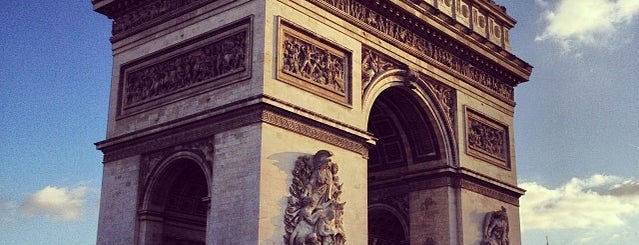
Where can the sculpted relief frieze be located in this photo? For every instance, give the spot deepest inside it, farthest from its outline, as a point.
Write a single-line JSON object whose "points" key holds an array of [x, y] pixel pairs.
{"points": [[145, 11], [487, 139], [313, 64], [314, 211], [374, 64], [216, 59], [426, 43]]}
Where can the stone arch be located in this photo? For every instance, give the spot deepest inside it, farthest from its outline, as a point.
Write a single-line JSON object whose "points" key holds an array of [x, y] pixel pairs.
{"points": [[175, 204], [426, 99], [406, 116], [387, 226]]}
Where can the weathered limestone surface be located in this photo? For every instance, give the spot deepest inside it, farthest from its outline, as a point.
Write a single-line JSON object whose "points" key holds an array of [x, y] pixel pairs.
{"points": [[120, 195], [214, 101]]}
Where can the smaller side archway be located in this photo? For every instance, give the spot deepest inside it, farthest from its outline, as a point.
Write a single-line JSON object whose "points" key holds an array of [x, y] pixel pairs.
{"points": [[386, 226], [175, 205]]}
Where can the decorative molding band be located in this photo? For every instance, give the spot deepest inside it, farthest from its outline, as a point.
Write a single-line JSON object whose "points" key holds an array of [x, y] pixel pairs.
{"points": [[315, 114], [180, 135], [452, 178], [312, 63], [314, 132], [395, 26], [137, 14], [235, 119], [487, 191], [212, 60], [487, 139]]}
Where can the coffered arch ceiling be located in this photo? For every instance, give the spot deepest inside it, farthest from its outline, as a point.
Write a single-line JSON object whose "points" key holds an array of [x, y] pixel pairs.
{"points": [[404, 132]]}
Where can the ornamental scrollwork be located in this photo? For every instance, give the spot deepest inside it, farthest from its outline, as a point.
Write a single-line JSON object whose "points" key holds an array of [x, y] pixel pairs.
{"points": [[496, 228], [447, 101], [374, 64], [314, 211]]}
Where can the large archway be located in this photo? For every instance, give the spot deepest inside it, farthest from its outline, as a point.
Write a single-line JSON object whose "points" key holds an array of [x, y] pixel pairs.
{"points": [[175, 208], [406, 143]]}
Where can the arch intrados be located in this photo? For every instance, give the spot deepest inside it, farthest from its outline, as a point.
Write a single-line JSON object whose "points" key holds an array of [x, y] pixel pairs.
{"points": [[424, 98], [162, 175], [396, 214]]}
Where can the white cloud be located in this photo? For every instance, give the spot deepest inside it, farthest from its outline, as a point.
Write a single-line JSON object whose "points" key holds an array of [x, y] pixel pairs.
{"points": [[57, 203], [576, 23], [597, 202], [542, 3]]}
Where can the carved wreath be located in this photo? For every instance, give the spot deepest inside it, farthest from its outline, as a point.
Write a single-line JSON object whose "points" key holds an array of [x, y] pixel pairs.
{"points": [[314, 212]]}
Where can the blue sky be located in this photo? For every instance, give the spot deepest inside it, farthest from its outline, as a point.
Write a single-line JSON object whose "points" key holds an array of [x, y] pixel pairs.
{"points": [[576, 121]]}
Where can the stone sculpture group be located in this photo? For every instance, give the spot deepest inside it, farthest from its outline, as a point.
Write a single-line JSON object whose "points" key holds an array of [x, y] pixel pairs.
{"points": [[314, 213]]}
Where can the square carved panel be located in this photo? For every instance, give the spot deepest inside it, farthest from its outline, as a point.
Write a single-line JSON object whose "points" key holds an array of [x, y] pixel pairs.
{"points": [[487, 139], [312, 63]]}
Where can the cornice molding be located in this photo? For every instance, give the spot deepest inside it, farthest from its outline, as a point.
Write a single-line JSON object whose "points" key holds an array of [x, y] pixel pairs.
{"points": [[416, 36], [133, 16], [131, 145], [452, 177]]}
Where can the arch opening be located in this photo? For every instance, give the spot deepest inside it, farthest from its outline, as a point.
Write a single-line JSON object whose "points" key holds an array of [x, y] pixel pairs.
{"points": [[176, 212], [404, 133], [406, 144], [386, 228]]}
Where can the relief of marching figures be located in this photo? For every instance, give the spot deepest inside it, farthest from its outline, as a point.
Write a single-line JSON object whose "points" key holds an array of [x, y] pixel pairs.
{"points": [[314, 212], [206, 63], [314, 64]]}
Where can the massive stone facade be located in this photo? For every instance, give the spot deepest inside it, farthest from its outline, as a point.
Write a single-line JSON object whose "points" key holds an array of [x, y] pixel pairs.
{"points": [[228, 119]]}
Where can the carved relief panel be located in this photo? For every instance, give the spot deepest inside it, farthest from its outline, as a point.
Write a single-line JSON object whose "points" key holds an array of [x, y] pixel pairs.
{"points": [[209, 61], [312, 63], [487, 139], [314, 211]]}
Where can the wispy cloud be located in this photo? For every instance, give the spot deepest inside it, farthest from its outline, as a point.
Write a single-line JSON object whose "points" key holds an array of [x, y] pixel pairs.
{"points": [[578, 23], [593, 203], [57, 203], [7, 210]]}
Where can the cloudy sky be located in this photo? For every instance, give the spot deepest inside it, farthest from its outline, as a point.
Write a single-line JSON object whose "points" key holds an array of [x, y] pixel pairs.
{"points": [[576, 122]]}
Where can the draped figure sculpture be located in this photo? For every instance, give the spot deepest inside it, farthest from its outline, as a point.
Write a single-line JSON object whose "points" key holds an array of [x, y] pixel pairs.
{"points": [[314, 214], [496, 228]]}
